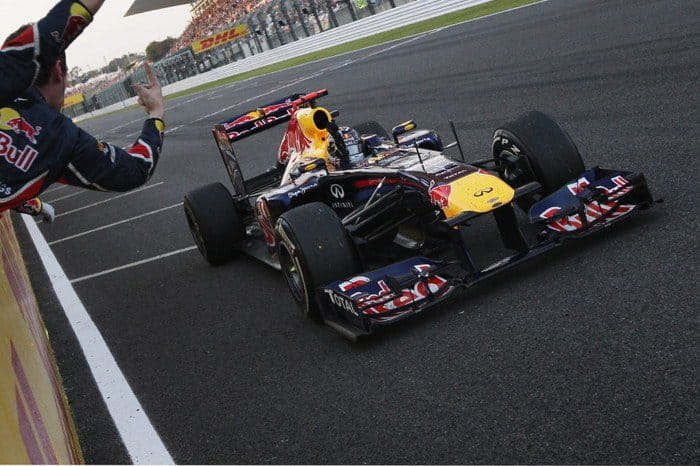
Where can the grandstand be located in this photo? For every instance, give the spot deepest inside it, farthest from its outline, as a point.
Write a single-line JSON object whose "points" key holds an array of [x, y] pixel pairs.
{"points": [[221, 32]]}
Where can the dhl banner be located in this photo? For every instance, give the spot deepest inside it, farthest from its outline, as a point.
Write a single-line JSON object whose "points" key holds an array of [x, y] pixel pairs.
{"points": [[74, 99], [35, 422], [220, 38]]}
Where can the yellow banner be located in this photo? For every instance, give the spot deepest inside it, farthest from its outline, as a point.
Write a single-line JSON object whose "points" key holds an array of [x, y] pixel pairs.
{"points": [[35, 422], [74, 99], [220, 38]]}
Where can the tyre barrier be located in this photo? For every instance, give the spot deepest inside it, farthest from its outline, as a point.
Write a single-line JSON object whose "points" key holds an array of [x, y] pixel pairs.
{"points": [[35, 421]]}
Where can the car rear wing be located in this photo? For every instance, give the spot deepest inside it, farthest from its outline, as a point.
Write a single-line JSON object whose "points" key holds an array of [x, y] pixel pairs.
{"points": [[253, 122], [267, 116]]}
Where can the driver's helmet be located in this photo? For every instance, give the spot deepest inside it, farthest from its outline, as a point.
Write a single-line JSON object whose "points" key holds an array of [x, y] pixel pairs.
{"points": [[353, 143]]}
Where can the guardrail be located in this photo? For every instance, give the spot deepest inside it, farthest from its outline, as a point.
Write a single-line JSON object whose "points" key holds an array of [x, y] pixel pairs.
{"points": [[404, 15], [35, 422]]}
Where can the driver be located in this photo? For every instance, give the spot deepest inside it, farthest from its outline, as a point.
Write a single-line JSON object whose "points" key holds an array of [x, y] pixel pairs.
{"points": [[354, 145]]}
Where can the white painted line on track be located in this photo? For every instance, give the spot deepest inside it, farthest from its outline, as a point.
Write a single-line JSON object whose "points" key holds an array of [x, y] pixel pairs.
{"points": [[110, 199], [133, 264], [140, 438], [111, 130], [172, 130], [60, 186], [67, 196], [104, 227]]}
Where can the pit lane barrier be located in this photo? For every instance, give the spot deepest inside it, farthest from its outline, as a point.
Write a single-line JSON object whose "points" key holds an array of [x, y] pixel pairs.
{"points": [[36, 425], [410, 13]]}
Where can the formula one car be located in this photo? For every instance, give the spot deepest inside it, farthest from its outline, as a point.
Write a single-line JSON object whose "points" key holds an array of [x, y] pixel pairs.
{"points": [[367, 228]]}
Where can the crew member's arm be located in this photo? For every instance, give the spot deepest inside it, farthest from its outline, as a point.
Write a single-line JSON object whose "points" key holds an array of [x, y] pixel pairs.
{"points": [[40, 44], [102, 166], [98, 165]]}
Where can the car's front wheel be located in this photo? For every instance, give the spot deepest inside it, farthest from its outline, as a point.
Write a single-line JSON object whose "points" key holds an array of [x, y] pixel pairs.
{"points": [[534, 147], [314, 249]]}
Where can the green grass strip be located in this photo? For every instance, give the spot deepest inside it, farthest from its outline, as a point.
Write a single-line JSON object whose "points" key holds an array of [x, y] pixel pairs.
{"points": [[448, 19]]}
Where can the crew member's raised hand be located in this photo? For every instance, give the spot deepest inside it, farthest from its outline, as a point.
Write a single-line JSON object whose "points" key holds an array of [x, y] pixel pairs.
{"points": [[151, 94]]}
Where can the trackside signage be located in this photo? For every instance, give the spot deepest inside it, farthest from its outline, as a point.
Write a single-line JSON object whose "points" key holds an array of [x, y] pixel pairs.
{"points": [[35, 423], [219, 38]]}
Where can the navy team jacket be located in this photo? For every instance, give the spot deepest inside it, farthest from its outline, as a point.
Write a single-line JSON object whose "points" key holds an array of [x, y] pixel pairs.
{"points": [[39, 146]]}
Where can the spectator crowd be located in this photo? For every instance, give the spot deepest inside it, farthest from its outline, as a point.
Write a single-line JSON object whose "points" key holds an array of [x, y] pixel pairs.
{"points": [[215, 16]]}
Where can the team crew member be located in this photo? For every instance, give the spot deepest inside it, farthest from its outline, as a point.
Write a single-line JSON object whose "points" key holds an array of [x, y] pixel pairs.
{"points": [[38, 145]]}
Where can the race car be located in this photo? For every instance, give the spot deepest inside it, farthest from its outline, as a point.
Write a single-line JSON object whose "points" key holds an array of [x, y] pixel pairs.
{"points": [[368, 228]]}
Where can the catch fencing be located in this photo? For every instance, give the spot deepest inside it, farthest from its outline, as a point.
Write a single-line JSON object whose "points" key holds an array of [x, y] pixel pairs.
{"points": [[409, 12]]}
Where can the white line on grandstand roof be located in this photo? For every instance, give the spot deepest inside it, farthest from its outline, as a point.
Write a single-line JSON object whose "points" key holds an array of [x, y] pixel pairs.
{"points": [[140, 438], [104, 227], [133, 264], [110, 199]]}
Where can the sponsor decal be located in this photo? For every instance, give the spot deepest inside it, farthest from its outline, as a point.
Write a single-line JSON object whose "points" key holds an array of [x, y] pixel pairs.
{"points": [[74, 99], [337, 191], [21, 160], [440, 194], [31, 207], [294, 140], [11, 120], [262, 212], [385, 300], [341, 302], [592, 210], [483, 191], [220, 38], [301, 190], [342, 205], [78, 20], [354, 282]]}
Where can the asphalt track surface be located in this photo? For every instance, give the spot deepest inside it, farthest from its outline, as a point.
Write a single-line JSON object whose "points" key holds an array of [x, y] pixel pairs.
{"points": [[586, 356]]}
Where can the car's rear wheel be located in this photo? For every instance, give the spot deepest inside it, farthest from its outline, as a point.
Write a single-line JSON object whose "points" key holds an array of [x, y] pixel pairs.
{"points": [[215, 222], [314, 249], [371, 127], [534, 147]]}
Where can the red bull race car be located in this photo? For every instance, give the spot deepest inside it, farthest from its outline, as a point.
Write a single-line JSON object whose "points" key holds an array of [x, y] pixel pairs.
{"points": [[368, 228]]}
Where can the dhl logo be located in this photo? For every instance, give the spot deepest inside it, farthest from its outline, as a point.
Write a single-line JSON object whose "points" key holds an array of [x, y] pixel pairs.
{"points": [[219, 39]]}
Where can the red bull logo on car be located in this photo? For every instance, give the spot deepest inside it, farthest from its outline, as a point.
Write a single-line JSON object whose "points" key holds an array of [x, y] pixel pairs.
{"points": [[440, 195]]}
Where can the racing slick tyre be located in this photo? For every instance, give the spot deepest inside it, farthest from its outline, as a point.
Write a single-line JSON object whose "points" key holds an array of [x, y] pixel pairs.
{"points": [[534, 147], [371, 127], [314, 249], [214, 221]]}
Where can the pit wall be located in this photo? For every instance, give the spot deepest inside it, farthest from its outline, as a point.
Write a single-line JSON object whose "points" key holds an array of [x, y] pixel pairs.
{"points": [[35, 421]]}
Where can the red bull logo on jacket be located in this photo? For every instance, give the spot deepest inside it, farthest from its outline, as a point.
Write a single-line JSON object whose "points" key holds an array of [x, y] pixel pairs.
{"points": [[11, 120]]}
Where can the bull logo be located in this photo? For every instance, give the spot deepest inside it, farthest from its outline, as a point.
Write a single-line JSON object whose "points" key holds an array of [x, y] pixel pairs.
{"points": [[11, 120], [440, 195]]}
